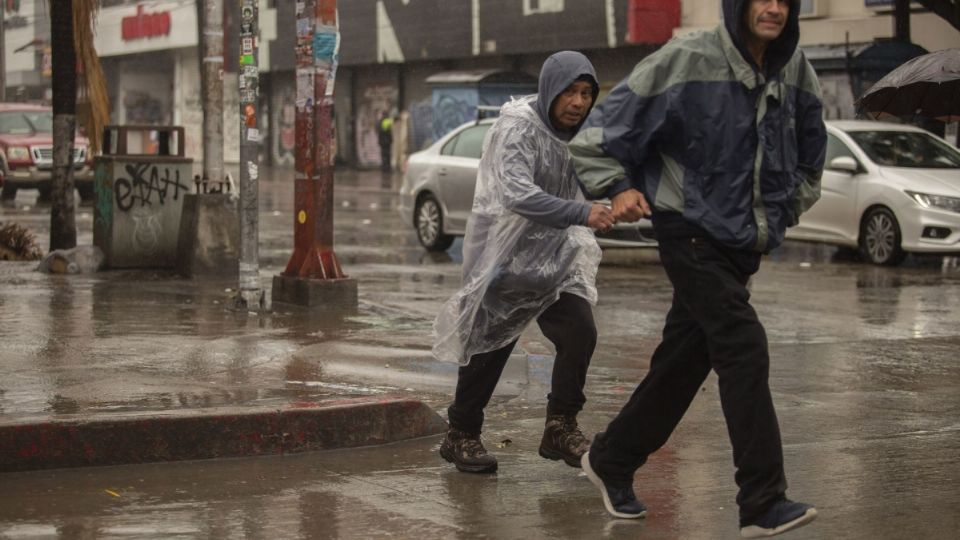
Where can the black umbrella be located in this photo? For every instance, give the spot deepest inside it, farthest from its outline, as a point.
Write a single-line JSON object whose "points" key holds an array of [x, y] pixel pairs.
{"points": [[927, 86]]}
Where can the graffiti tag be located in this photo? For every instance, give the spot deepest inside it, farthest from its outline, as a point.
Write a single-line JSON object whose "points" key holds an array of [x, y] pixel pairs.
{"points": [[148, 184]]}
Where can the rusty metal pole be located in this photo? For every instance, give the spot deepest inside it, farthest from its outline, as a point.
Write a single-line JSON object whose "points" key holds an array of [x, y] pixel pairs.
{"points": [[250, 295], [313, 275]]}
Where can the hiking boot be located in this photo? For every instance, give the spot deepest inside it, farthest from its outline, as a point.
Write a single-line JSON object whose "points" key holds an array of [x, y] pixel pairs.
{"points": [[562, 439], [467, 452], [619, 502], [783, 516]]}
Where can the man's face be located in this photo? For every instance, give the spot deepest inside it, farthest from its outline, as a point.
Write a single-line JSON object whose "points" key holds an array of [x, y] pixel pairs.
{"points": [[571, 106], [765, 19]]}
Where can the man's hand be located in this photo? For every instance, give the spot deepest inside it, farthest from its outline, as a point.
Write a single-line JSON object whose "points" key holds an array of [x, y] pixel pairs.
{"points": [[601, 218], [630, 206]]}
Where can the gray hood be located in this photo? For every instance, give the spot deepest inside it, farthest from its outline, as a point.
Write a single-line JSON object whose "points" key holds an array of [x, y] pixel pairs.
{"points": [[558, 72]]}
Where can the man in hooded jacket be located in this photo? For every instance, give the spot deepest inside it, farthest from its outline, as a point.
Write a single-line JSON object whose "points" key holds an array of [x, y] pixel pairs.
{"points": [[722, 132], [528, 254]]}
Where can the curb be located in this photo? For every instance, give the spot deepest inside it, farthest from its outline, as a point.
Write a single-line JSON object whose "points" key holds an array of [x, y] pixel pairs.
{"points": [[300, 427]]}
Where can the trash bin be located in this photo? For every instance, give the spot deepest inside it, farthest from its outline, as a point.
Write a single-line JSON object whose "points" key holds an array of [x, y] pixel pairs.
{"points": [[140, 183]]}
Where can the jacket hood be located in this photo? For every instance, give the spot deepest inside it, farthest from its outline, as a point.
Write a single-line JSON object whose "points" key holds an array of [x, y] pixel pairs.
{"points": [[557, 73], [779, 51]]}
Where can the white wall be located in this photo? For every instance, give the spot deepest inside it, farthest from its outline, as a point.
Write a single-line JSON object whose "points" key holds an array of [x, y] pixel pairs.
{"points": [[183, 29]]}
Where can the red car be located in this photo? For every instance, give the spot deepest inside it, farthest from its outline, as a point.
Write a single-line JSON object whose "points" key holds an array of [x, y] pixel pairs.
{"points": [[26, 152]]}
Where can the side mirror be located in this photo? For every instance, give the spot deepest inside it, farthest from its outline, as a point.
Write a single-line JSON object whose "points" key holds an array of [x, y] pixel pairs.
{"points": [[844, 163]]}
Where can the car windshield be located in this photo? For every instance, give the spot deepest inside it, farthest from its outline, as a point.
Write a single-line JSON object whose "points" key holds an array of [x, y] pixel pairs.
{"points": [[911, 149], [25, 122]]}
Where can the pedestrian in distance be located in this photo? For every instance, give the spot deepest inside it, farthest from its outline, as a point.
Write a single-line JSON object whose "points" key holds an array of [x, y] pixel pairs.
{"points": [[719, 135], [385, 139], [528, 254]]}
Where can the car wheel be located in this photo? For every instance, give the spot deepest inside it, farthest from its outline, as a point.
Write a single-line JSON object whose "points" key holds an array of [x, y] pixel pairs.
{"points": [[428, 219], [880, 238]]}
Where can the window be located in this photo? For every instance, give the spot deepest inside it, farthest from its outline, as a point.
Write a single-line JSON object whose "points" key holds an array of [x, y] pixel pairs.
{"points": [[810, 8], [533, 7], [26, 122], [910, 149], [468, 143], [836, 148]]}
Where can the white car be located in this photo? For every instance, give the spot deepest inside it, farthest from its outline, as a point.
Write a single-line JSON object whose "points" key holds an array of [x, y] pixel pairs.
{"points": [[888, 190], [437, 192]]}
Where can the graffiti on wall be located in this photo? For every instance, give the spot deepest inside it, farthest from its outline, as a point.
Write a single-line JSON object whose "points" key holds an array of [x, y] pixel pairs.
{"points": [[283, 120], [138, 210], [376, 101], [148, 184], [452, 107], [421, 125]]}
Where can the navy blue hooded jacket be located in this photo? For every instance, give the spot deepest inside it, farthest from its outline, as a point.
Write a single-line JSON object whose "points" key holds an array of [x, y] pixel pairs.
{"points": [[710, 138]]}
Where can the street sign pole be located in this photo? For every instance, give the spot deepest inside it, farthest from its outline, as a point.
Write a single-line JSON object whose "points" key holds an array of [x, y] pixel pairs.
{"points": [[250, 295]]}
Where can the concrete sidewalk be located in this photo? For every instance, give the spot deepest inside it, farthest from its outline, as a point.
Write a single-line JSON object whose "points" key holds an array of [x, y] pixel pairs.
{"points": [[213, 433], [136, 366]]}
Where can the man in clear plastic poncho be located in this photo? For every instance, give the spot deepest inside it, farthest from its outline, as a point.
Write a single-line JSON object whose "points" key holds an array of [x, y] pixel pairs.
{"points": [[528, 254]]}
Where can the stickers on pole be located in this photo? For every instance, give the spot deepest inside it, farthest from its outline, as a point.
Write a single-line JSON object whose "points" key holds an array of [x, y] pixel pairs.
{"points": [[327, 11], [302, 217], [305, 81], [325, 44]]}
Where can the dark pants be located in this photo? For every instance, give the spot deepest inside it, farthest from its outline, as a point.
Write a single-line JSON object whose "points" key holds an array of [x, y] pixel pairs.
{"points": [[568, 323], [711, 325], [385, 155]]}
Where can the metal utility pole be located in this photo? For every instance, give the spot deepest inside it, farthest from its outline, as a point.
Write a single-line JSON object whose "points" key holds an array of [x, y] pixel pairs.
{"points": [[250, 295], [63, 225], [210, 13], [313, 276], [901, 20]]}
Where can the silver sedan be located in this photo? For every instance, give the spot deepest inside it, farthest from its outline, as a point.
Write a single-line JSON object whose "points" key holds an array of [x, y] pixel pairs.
{"points": [[888, 190]]}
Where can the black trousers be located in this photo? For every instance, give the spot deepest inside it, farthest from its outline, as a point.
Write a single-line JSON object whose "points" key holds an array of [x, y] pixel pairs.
{"points": [[711, 325], [385, 157], [568, 323]]}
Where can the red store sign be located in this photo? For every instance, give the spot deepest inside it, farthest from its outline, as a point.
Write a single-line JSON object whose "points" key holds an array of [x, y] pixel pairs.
{"points": [[145, 25]]}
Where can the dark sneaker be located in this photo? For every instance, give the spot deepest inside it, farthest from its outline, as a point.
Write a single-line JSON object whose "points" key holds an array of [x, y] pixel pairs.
{"points": [[467, 452], [620, 502], [783, 516], [562, 439]]}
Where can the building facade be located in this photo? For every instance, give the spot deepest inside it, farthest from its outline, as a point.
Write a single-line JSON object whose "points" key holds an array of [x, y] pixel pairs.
{"points": [[392, 49]]}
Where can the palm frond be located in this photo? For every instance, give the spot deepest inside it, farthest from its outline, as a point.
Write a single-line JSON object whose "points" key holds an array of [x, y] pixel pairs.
{"points": [[93, 112]]}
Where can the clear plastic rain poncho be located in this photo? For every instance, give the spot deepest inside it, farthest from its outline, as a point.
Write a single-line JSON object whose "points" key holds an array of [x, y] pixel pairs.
{"points": [[514, 268]]}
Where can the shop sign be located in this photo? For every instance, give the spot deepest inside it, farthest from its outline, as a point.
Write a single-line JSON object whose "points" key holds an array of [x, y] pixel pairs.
{"points": [[145, 25]]}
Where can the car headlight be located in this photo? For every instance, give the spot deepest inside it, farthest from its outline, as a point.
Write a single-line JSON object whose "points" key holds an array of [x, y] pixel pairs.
{"points": [[936, 201], [18, 153]]}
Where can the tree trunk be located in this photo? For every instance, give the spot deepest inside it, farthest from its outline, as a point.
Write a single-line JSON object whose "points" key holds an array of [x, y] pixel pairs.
{"points": [[63, 226]]}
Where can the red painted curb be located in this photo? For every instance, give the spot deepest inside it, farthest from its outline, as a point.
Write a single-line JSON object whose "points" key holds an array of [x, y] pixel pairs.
{"points": [[205, 435]]}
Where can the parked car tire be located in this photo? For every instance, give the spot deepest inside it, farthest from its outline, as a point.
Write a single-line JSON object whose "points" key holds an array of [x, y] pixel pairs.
{"points": [[428, 220], [880, 237]]}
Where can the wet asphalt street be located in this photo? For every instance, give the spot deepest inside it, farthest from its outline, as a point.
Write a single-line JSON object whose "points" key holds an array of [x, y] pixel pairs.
{"points": [[865, 376]]}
